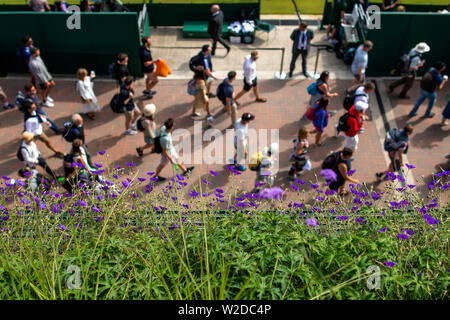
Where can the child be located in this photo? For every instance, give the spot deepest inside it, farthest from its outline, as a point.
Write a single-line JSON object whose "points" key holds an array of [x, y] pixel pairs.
{"points": [[147, 125], [298, 157], [265, 175]]}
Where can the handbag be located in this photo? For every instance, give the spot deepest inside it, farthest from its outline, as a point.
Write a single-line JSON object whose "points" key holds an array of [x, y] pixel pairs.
{"points": [[311, 114]]}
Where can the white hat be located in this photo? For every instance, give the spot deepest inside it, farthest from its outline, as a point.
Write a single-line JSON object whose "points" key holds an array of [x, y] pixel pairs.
{"points": [[273, 149], [421, 47], [361, 106], [149, 110]]}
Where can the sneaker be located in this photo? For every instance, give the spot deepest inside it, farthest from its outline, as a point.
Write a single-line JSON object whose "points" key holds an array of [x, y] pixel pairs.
{"points": [[152, 92], [133, 126], [8, 106], [145, 92], [362, 130], [379, 176], [336, 131], [412, 115], [430, 115], [130, 132], [139, 151], [240, 167], [148, 95], [188, 170], [48, 104], [50, 99], [332, 113], [211, 95], [161, 179], [195, 114], [290, 74], [210, 119]]}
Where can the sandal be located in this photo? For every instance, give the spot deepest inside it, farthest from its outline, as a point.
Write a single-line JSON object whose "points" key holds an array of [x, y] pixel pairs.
{"points": [[261, 100], [139, 151]]}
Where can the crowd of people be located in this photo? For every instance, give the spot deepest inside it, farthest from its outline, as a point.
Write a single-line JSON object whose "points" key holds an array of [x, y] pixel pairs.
{"points": [[159, 139]]}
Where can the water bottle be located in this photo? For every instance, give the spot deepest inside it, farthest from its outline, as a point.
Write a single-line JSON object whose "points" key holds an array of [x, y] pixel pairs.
{"points": [[92, 74]]}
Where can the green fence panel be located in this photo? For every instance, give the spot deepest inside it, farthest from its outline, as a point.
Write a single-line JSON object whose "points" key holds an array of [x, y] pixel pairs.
{"points": [[174, 14], [402, 31], [94, 46]]}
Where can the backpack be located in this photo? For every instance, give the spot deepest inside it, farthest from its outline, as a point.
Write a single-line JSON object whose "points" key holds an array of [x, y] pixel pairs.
{"points": [[194, 62], [139, 124], [19, 101], [313, 88], [191, 88], [220, 92], [330, 161], [255, 161], [111, 68], [157, 147], [19, 152], [394, 141], [115, 104], [349, 56], [349, 99], [66, 131], [404, 63], [427, 83], [343, 122]]}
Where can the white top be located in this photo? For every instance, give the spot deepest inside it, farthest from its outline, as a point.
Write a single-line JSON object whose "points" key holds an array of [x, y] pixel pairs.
{"points": [[360, 61], [241, 130], [249, 69], [30, 154], [364, 98], [86, 89], [33, 125], [304, 44]]}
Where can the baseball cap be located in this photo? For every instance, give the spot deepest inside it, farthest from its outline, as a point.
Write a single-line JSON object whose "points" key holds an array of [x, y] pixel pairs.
{"points": [[247, 116], [361, 106]]}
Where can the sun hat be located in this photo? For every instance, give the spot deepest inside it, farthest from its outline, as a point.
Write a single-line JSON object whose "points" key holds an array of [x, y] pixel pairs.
{"points": [[27, 136], [422, 47], [149, 110], [361, 106]]}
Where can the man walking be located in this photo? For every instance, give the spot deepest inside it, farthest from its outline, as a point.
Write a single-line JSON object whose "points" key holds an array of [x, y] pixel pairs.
{"points": [[302, 40], [215, 28], [431, 82], [250, 77], [356, 117], [131, 111], [148, 67], [408, 74], [43, 78], [240, 140], [120, 69], [360, 62], [225, 93], [204, 61]]}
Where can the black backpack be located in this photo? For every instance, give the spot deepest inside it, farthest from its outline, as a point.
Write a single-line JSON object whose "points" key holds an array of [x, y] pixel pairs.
{"points": [[19, 152], [194, 62], [66, 132], [343, 122], [427, 82], [139, 125], [330, 161], [404, 63], [20, 101], [115, 104], [157, 147], [349, 99]]}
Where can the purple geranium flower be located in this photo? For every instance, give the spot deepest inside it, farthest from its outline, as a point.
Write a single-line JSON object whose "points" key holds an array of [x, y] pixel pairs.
{"points": [[213, 173], [342, 217], [389, 264], [409, 166], [329, 175], [402, 236], [271, 193], [62, 227], [383, 229], [314, 186], [102, 152], [193, 194], [312, 222], [82, 203]]}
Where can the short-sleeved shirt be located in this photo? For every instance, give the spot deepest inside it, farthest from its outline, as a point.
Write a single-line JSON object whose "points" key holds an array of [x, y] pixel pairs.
{"points": [[121, 70], [166, 140], [33, 124], [227, 91], [146, 55], [364, 96], [124, 95], [38, 5], [241, 130], [415, 61], [361, 60]]}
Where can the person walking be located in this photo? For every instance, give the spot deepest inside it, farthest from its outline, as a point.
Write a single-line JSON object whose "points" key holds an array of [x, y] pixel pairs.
{"points": [[74, 129], [43, 78], [341, 165], [39, 5], [169, 153], [322, 89], [446, 113], [31, 94], [215, 26], [31, 155], [148, 67], [356, 117], [131, 110], [396, 144], [431, 83], [225, 93], [201, 101], [240, 140], [33, 124], [4, 100], [25, 55], [204, 61], [250, 80], [147, 125], [321, 119], [408, 74], [360, 62], [300, 161], [120, 68], [85, 88], [301, 38]]}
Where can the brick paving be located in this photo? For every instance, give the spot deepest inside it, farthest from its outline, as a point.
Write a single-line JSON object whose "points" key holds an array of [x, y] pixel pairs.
{"points": [[287, 101]]}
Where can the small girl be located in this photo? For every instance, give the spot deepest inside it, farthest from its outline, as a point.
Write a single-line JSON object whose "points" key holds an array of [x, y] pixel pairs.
{"points": [[298, 157], [85, 89]]}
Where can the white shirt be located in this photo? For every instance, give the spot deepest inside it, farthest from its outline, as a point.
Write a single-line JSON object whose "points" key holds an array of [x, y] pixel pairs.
{"points": [[303, 45], [364, 98], [249, 69], [85, 89], [241, 130], [33, 125], [30, 154]]}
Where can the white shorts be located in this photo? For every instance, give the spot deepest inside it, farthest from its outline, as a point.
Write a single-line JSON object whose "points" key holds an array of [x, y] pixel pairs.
{"points": [[351, 142], [165, 160]]}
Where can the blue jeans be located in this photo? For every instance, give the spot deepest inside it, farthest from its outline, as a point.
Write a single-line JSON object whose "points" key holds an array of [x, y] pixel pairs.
{"points": [[52, 124], [431, 101]]}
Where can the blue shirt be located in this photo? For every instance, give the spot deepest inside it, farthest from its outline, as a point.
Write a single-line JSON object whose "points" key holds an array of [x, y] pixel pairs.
{"points": [[26, 52], [321, 119], [227, 90], [146, 56], [205, 61], [437, 77]]}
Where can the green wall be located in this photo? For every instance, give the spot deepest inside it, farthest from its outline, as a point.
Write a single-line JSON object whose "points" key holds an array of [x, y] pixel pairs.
{"points": [[402, 31], [95, 46]]}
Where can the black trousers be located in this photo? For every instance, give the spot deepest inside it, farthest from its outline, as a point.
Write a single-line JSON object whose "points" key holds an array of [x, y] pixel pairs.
{"points": [[407, 81], [216, 39], [295, 55]]}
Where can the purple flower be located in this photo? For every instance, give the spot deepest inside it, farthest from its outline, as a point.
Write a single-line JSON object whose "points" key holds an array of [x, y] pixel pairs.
{"points": [[294, 187], [409, 232], [117, 167], [383, 229], [329, 175], [213, 173], [271, 193], [102, 152], [82, 203], [411, 186], [320, 198], [314, 186], [130, 164], [431, 184], [351, 172], [20, 183], [389, 264], [125, 184], [360, 220], [299, 181], [402, 236], [409, 166], [193, 194], [62, 227], [95, 209], [205, 181], [419, 273], [342, 217], [312, 222], [219, 190], [429, 219]]}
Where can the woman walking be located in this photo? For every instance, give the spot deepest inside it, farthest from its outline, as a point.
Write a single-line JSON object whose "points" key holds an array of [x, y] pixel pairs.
{"points": [[320, 119], [318, 90], [85, 89], [201, 101], [147, 125]]}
